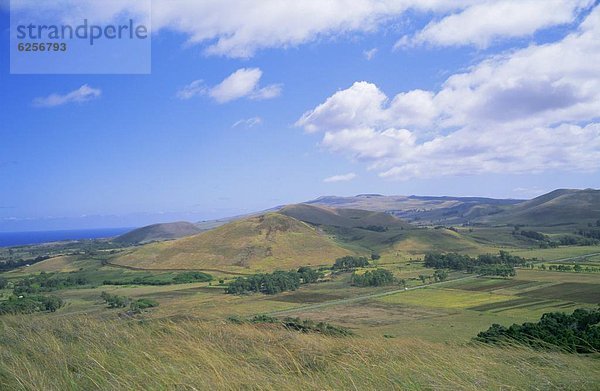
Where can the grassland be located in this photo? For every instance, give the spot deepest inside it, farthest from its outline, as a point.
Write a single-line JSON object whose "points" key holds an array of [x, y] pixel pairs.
{"points": [[82, 353]]}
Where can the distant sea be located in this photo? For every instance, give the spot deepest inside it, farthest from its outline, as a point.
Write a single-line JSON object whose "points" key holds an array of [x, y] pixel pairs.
{"points": [[8, 239]]}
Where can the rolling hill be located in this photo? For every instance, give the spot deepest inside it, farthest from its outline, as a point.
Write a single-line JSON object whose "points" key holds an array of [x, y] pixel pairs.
{"points": [[423, 210], [559, 207], [261, 243], [158, 232]]}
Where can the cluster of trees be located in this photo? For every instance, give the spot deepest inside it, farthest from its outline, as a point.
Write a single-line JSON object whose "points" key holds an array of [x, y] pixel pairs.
{"points": [[17, 263], [297, 324], [28, 304], [487, 263], [272, 283], [47, 282], [577, 332], [350, 262], [180, 278], [378, 277], [135, 306]]}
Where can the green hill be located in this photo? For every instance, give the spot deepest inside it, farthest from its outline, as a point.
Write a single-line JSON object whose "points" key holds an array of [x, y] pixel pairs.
{"points": [[158, 232], [262, 243]]}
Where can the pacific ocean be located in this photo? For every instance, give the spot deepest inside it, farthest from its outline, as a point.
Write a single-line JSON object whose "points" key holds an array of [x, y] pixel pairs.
{"points": [[8, 239]]}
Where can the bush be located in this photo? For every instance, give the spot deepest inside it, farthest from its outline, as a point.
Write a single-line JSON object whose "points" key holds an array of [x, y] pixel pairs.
{"points": [[114, 301], [142, 304], [577, 332]]}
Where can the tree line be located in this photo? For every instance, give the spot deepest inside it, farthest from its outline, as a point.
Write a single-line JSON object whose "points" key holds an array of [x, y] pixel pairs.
{"points": [[488, 264], [180, 278]]}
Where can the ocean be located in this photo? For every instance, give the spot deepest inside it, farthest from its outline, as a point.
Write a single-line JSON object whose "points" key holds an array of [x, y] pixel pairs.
{"points": [[8, 239]]}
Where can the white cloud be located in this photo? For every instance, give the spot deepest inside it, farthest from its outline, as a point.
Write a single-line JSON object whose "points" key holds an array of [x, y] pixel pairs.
{"points": [[82, 94], [340, 178], [243, 83], [237, 28], [531, 110], [486, 21], [248, 122], [193, 89], [240, 83], [369, 54]]}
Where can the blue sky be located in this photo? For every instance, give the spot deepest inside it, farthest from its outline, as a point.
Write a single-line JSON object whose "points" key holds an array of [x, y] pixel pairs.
{"points": [[344, 107]]}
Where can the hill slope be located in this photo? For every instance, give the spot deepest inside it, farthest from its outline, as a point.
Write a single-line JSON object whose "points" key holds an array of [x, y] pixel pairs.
{"points": [[560, 207], [156, 232], [262, 243], [347, 218]]}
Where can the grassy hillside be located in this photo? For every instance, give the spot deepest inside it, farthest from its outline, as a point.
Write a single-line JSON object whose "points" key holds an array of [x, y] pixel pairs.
{"points": [[158, 232], [560, 207], [267, 242], [82, 353]]}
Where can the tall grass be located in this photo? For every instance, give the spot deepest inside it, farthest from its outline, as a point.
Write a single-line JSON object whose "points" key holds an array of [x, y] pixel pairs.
{"points": [[81, 353]]}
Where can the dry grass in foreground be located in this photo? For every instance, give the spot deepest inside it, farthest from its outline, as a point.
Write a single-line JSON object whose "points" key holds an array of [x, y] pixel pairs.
{"points": [[39, 353]]}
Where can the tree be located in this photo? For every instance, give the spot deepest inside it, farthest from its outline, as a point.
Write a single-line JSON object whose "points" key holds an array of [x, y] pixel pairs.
{"points": [[3, 283], [423, 278]]}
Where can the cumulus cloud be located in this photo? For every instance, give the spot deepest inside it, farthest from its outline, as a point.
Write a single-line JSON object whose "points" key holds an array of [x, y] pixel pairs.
{"points": [[486, 21], [248, 122], [340, 178], [82, 94], [530, 110], [244, 82]]}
